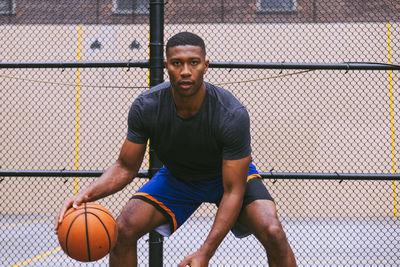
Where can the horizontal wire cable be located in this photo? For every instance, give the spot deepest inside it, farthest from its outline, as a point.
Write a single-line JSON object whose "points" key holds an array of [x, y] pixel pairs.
{"points": [[145, 87]]}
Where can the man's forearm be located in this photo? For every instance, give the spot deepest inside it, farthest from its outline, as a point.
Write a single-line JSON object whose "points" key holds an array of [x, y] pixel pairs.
{"points": [[227, 214], [113, 179]]}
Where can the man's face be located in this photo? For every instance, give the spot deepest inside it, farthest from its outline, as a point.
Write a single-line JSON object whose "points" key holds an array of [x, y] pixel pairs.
{"points": [[186, 67]]}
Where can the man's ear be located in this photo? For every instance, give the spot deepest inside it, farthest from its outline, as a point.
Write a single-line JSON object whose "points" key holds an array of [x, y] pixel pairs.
{"points": [[206, 63], [165, 64]]}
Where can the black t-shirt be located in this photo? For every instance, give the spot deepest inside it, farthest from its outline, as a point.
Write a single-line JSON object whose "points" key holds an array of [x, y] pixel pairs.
{"points": [[191, 148]]}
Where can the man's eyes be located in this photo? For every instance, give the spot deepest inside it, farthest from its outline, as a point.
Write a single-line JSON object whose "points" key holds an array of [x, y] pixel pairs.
{"points": [[178, 63]]}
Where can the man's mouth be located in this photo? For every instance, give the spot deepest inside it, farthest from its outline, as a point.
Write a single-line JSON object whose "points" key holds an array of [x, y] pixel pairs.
{"points": [[186, 84]]}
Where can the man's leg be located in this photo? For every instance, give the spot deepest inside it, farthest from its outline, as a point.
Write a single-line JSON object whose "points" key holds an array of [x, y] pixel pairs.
{"points": [[136, 219], [261, 218]]}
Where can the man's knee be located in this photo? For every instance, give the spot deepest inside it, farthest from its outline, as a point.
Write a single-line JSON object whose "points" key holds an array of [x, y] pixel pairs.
{"points": [[127, 230], [272, 232], [262, 219]]}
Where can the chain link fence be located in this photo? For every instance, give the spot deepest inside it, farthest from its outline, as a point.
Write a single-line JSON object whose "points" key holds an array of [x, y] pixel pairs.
{"points": [[302, 121]]}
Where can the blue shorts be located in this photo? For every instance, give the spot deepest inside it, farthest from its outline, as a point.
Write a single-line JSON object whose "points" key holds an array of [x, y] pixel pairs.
{"points": [[177, 200]]}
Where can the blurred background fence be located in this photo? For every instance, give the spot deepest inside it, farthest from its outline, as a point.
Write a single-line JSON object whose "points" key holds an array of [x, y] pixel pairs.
{"points": [[326, 140]]}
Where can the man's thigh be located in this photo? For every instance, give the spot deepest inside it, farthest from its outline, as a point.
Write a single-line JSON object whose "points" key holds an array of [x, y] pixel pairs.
{"points": [[140, 216], [258, 204], [259, 214]]}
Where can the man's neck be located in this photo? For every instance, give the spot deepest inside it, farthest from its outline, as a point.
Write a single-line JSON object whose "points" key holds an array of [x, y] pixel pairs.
{"points": [[187, 107]]}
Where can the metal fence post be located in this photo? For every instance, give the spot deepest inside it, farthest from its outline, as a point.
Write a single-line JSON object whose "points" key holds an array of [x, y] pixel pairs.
{"points": [[156, 77]]}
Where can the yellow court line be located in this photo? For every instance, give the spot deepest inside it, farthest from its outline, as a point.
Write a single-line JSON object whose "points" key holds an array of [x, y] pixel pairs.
{"points": [[392, 120], [37, 257], [78, 99]]}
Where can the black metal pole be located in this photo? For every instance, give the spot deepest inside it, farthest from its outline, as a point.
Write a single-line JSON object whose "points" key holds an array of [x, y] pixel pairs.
{"points": [[265, 175], [156, 77], [75, 64]]}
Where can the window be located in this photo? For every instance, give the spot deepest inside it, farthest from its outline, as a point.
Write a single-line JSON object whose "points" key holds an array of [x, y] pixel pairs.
{"points": [[276, 5], [7, 6], [131, 6]]}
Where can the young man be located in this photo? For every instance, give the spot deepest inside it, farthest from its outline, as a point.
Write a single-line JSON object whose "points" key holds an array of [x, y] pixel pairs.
{"points": [[201, 133]]}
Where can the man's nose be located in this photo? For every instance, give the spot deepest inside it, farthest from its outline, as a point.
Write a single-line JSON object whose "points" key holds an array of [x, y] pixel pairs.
{"points": [[186, 70]]}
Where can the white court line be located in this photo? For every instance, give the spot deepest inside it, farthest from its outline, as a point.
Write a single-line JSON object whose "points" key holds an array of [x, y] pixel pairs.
{"points": [[11, 225]]}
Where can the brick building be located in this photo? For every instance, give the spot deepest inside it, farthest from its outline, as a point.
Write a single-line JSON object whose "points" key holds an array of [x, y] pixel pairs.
{"points": [[202, 11]]}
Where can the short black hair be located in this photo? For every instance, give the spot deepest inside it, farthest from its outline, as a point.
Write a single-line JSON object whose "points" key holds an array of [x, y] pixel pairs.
{"points": [[186, 38]]}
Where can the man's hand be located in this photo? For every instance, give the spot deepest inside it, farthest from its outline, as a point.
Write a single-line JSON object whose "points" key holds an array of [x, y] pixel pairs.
{"points": [[72, 202], [197, 259], [116, 177]]}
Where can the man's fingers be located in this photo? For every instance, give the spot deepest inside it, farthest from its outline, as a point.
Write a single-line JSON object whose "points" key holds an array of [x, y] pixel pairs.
{"points": [[60, 215], [187, 261], [56, 224], [63, 210], [184, 263], [76, 203]]}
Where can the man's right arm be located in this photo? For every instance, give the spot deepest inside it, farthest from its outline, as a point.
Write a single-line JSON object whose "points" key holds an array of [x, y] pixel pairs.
{"points": [[115, 178]]}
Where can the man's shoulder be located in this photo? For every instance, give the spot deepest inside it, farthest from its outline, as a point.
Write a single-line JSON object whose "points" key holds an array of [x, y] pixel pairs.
{"points": [[157, 90], [153, 95], [223, 97]]}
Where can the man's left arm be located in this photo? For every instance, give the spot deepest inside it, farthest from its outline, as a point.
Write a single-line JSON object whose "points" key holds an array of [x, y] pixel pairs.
{"points": [[234, 175]]}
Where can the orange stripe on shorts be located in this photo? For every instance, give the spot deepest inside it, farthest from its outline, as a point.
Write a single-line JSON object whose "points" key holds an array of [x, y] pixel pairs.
{"points": [[253, 176], [162, 206]]}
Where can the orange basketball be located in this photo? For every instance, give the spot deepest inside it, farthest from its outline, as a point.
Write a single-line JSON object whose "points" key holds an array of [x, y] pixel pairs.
{"points": [[87, 233]]}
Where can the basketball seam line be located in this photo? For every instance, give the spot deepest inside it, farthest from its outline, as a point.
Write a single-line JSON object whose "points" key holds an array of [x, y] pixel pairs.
{"points": [[105, 228], [69, 229], [87, 235]]}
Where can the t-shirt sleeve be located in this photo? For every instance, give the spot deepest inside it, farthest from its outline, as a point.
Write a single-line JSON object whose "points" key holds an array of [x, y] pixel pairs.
{"points": [[236, 135], [136, 123]]}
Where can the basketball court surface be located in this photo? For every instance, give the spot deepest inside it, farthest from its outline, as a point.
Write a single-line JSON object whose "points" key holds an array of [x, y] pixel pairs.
{"points": [[30, 241]]}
